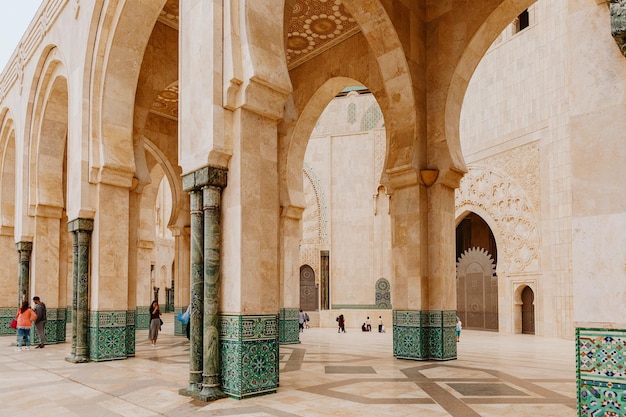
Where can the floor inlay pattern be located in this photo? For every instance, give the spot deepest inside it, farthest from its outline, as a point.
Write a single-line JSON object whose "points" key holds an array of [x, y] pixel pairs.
{"points": [[352, 374]]}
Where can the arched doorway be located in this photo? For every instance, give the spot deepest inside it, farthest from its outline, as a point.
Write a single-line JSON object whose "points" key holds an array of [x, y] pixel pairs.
{"points": [[477, 282], [528, 311], [308, 292]]}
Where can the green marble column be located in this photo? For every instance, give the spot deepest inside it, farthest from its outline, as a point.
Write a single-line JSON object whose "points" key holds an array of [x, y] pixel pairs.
{"points": [[82, 228], [205, 187], [196, 296], [74, 286], [211, 386], [24, 250]]}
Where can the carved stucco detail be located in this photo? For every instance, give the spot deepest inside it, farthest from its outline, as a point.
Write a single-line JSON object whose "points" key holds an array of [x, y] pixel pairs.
{"points": [[315, 216], [513, 221], [521, 164], [472, 258]]}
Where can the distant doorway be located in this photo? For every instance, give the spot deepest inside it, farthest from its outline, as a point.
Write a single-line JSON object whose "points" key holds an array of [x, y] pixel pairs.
{"points": [[308, 291], [477, 282], [528, 311]]}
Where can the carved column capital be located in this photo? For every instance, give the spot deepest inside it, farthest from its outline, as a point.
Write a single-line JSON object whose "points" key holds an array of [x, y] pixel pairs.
{"points": [[618, 23], [208, 176]]}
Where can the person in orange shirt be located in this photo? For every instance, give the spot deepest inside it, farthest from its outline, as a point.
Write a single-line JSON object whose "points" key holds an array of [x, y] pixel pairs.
{"points": [[25, 318]]}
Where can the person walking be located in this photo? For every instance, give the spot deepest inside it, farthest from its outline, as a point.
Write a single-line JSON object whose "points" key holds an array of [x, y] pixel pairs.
{"points": [[25, 317], [155, 323], [40, 322], [380, 324], [301, 321], [342, 324], [459, 326]]}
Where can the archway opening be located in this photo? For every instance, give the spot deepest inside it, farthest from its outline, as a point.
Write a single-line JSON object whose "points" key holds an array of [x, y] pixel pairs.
{"points": [[528, 311], [477, 282], [346, 225]]}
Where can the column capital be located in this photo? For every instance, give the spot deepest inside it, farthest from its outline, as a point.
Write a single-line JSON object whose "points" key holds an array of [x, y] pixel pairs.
{"points": [[80, 225], [208, 176], [24, 246]]}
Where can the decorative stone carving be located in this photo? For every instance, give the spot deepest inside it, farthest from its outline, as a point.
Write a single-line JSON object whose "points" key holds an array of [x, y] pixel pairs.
{"points": [[315, 216], [514, 222], [618, 23]]}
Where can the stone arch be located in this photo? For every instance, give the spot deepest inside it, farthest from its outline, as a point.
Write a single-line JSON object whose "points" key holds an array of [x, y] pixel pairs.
{"points": [[123, 31], [502, 204], [7, 173], [473, 52], [384, 70], [47, 150], [518, 304]]}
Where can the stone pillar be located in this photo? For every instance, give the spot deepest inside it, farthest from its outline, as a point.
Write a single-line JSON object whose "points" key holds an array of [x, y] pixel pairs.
{"points": [[290, 236], [81, 230], [205, 187], [181, 275], [23, 276], [211, 387], [441, 319]]}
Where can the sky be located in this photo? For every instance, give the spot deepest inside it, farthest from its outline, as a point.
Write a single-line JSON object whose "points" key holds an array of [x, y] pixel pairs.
{"points": [[15, 17]]}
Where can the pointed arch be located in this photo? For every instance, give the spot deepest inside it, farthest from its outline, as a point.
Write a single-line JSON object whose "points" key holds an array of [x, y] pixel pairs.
{"points": [[7, 172]]}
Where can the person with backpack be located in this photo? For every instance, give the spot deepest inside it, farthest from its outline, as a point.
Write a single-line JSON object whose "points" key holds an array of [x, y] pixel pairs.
{"points": [[40, 322]]}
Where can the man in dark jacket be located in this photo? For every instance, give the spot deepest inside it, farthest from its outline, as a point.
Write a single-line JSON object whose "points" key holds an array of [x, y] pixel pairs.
{"points": [[40, 322]]}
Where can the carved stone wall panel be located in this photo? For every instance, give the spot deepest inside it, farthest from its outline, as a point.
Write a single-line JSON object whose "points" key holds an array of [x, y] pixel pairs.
{"points": [[522, 165], [315, 216], [513, 220]]}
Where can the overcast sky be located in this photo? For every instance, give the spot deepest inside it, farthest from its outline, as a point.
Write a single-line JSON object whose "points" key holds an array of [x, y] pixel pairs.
{"points": [[14, 19]]}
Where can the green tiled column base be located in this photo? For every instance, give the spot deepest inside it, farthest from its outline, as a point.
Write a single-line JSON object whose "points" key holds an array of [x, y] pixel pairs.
{"points": [[55, 327], [424, 335], [111, 335], [7, 314], [288, 329], [180, 329], [249, 355], [142, 319], [600, 372]]}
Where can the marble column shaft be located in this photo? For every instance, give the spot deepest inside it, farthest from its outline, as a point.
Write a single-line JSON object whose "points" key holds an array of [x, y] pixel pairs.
{"points": [[24, 249], [204, 186], [196, 294], [212, 240], [81, 229]]}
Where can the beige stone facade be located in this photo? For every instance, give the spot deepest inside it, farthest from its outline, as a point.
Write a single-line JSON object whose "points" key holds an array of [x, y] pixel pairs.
{"points": [[104, 100]]}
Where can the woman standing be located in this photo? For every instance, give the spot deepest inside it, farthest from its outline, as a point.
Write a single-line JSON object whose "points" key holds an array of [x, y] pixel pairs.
{"points": [[155, 323], [25, 318]]}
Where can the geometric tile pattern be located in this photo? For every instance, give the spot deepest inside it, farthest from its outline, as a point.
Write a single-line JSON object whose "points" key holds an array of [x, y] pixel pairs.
{"points": [[601, 372], [7, 314], [55, 327], [424, 335], [109, 334], [249, 355], [289, 332], [142, 320], [383, 293]]}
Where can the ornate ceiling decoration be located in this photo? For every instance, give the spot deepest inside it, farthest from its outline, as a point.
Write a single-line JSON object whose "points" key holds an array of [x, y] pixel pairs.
{"points": [[166, 103], [314, 27], [169, 14]]}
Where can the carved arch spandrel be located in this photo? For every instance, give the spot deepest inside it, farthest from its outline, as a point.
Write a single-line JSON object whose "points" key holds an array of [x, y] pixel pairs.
{"points": [[503, 205]]}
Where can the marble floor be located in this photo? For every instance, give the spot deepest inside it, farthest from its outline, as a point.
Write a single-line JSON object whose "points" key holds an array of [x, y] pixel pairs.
{"points": [[328, 374]]}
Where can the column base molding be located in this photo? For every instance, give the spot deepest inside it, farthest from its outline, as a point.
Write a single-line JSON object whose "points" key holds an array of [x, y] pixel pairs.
{"points": [[249, 355], [111, 335], [424, 334], [288, 326], [142, 317]]}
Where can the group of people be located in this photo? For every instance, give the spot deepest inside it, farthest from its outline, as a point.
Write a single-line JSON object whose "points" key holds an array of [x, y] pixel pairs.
{"points": [[367, 325], [25, 317]]}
